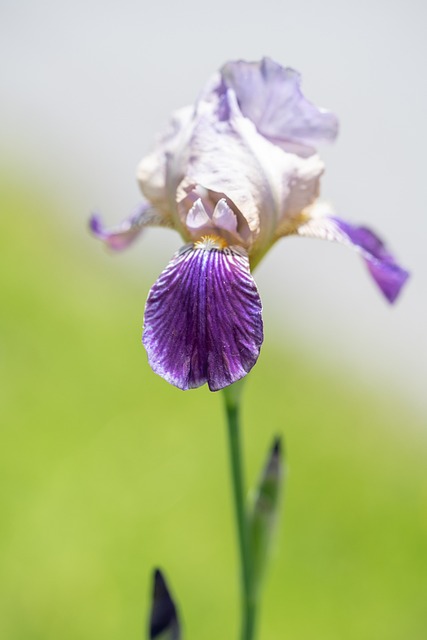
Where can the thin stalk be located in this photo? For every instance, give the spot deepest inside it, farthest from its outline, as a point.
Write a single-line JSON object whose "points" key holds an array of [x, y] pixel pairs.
{"points": [[232, 410]]}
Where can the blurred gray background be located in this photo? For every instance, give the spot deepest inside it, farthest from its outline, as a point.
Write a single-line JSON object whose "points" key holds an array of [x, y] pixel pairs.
{"points": [[86, 86]]}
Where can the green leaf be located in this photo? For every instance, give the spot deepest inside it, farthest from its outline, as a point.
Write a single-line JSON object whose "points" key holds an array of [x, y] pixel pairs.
{"points": [[264, 512], [164, 623]]}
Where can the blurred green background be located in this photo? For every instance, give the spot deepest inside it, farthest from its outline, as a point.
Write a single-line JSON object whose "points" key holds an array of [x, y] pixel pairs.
{"points": [[107, 471]]}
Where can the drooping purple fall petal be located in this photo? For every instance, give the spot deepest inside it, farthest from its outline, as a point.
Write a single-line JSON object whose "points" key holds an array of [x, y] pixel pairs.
{"points": [[388, 275], [122, 235], [203, 318], [270, 96]]}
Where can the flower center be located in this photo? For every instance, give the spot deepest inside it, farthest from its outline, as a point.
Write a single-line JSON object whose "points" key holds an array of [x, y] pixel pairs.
{"points": [[209, 243]]}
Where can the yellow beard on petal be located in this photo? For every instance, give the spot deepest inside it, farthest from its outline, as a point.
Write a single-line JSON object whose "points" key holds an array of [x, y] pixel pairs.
{"points": [[208, 243]]}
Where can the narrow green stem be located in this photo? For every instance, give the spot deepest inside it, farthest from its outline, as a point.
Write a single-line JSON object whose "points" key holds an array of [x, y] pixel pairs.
{"points": [[232, 409]]}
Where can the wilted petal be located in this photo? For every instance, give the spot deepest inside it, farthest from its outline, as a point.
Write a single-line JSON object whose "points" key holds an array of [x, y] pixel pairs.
{"points": [[388, 275], [203, 317], [122, 235], [270, 96]]}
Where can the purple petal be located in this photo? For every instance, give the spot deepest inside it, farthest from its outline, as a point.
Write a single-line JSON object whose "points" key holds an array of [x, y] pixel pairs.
{"points": [[203, 318], [122, 235], [388, 275], [270, 96]]}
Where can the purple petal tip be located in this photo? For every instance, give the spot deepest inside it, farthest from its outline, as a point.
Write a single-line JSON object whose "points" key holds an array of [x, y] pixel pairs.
{"points": [[388, 275], [119, 237]]}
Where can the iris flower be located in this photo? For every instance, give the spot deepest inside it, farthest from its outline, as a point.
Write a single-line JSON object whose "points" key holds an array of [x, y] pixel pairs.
{"points": [[233, 174]]}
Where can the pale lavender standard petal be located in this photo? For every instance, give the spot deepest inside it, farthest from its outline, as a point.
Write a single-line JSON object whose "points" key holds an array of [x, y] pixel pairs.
{"points": [[266, 184], [203, 319], [122, 235], [270, 96], [388, 275]]}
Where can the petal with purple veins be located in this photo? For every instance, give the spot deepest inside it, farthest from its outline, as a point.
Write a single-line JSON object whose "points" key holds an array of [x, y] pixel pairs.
{"points": [[203, 319], [388, 275]]}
